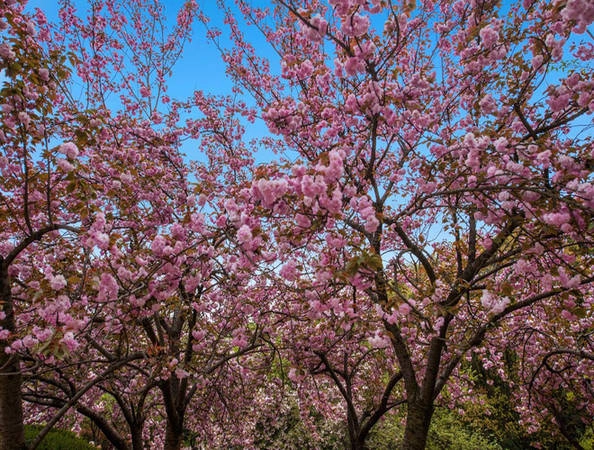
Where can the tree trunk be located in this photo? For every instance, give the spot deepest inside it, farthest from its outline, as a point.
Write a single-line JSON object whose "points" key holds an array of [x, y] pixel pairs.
{"points": [[136, 431], [418, 419], [173, 436], [11, 407], [356, 439], [11, 404], [173, 391], [358, 444]]}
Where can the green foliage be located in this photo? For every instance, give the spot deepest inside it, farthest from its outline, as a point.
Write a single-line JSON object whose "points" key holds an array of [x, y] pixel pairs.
{"points": [[503, 421], [447, 432], [387, 434], [587, 441], [57, 439], [288, 432]]}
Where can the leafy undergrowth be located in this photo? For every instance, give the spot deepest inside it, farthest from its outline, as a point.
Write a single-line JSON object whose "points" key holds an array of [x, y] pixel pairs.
{"points": [[57, 439]]}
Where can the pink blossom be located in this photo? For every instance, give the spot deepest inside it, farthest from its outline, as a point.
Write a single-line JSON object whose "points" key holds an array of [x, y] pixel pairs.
{"points": [[438, 324], [371, 224], [493, 303], [332, 204], [544, 158], [335, 168], [126, 178], [31, 28], [268, 191], [556, 219], [221, 221], [157, 117], [305, 70], [580, 11], [393, 317], [354, 65], [302, 220], [232, 209], [244, 234], [29, 341], [428, 187], [24, 118], [315, 29], [99, 239], [289, 270], [65, 165], [488, 104], [198, 334], [99, 222], [316, 309], [173, 363], [558, 102], [158, 245], [239, 339], [6, 51], [69, 149], [335, 241], [44, 74], [473, 160], [585, 99], [108, 288], [70, 341], [566, 228], [292, 375], [178, 232], [368, 216], [404, 309], [378, 341], [335, 303], [197, 222], [566, 281], [312, 187], [501, 144], [356, 25], [489, 36], [573, 282], [57, 282]]}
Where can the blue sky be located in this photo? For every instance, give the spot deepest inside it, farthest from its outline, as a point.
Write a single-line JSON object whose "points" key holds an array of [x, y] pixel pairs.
{"points": [[199, 68]]}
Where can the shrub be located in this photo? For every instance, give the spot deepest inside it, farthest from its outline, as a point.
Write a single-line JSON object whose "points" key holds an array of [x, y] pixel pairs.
{"points": [[446, 432], [57, 439]]}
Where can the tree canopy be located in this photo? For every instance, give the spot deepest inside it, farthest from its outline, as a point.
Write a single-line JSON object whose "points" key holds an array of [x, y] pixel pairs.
{"points": [[418, 237]]}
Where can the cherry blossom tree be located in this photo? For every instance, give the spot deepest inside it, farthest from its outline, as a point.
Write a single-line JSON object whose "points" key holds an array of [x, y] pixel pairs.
{"points": [[443, 152], [552, 378], [431, 202], [42, 202], [139, 284]]}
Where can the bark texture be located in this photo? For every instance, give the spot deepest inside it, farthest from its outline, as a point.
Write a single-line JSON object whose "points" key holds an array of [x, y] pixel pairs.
{"points": [[418, 420], [11, 404]]}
